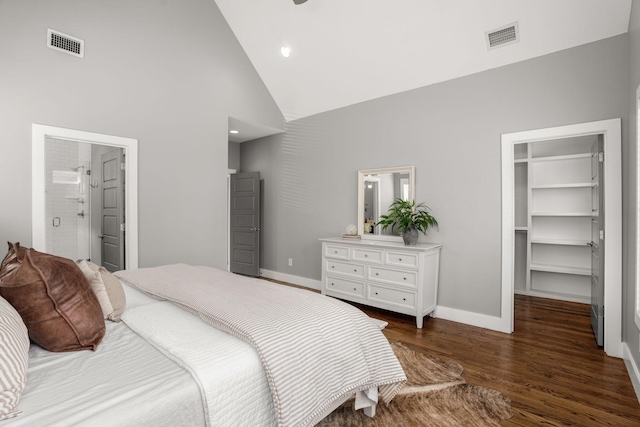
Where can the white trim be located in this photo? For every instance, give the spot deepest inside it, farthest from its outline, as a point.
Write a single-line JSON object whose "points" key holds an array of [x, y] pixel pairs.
{"points": [[39, 133], [632, 369], [470, 318], [637, 307], [229, 173], [611, 131], [290, 278]]}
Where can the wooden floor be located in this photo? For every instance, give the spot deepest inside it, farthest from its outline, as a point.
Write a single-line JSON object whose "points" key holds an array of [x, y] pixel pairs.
{"points": [[550, 367]]}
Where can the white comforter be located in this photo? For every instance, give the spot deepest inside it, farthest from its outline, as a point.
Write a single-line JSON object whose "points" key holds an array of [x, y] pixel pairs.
{"points": [[129, 381], [316, 351]]}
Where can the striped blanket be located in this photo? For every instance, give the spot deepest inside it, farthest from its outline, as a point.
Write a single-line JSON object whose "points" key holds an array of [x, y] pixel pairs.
{"points": [[316, 351]]}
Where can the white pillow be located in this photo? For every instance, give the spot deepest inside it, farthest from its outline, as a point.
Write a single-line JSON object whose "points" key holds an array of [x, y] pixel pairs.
{"points": [[14, 357], [107, 288], [97, 286]]}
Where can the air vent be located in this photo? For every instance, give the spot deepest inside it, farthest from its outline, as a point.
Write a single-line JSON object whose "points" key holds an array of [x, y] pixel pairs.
{"points": [[65, 43], [502, 36]]}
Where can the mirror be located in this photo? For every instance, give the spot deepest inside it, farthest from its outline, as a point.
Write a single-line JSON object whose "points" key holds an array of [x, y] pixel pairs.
{"points": [[377, 189]]}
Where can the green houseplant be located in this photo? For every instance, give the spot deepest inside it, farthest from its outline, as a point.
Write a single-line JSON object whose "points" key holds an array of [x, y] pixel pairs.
{"points": [[408, 218]]}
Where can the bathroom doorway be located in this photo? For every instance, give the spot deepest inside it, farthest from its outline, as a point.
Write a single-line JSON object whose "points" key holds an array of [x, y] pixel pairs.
{"points": [[77, 194], [77, 197]]}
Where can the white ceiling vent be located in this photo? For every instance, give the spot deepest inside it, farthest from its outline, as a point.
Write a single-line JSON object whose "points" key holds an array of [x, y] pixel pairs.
{"points": [[502, 36], [65, 43]]}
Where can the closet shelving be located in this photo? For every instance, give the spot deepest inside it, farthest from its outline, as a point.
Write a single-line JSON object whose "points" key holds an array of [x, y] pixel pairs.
{"points": [[553, 219]]}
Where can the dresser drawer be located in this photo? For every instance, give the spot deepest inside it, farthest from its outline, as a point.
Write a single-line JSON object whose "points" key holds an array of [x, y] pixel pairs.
{"points": [[367, 255], [392, 296], [342, 286], [397, 277], [336, 251], [337, 267], [401, 259]]}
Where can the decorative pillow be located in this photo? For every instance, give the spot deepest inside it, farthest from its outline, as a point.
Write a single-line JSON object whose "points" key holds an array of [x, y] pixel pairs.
{"points": [[14, 356], [107, 288], [53, 298]]}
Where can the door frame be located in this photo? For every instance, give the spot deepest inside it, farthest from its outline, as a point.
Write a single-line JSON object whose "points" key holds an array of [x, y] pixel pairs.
{"points": [[39, 134], [611, 130]]}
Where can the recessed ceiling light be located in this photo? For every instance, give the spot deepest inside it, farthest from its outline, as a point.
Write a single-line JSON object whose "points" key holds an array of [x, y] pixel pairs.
{"points": [[285, 51], [233, 131]]}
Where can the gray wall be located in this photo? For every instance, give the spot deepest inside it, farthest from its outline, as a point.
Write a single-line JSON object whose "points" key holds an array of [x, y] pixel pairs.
{"points": [[629, 151], [451, 133], [234, 156], [169, 73]]}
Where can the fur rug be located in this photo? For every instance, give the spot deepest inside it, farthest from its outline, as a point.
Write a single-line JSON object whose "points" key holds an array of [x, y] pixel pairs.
{"points": [[435, 396]]}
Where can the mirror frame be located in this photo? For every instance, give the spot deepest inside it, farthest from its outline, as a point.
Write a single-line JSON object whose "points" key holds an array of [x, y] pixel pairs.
{"points": [[411, 170]]}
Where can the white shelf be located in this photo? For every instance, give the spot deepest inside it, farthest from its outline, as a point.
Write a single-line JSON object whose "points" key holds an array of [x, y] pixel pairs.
{"points": [[565, 214], [546, 241], [521, 160], [572, 185], [521, 228], [557, 158], [582, 271]]}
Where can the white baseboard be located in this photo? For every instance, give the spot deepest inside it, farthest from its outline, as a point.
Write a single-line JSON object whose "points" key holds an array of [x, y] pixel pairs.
{"points": [[632, 369], [470, 318], [446, 313], [290, 278]]}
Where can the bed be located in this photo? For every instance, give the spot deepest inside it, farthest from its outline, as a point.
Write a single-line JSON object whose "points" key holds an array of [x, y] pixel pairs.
{"points": [[176, 359]]}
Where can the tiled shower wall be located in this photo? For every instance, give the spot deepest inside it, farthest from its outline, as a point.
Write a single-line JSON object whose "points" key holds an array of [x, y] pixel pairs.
{"points": [[67, 230]]}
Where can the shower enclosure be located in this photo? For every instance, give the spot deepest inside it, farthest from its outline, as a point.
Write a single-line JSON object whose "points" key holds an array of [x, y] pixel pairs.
{"points": [[68, 198]]}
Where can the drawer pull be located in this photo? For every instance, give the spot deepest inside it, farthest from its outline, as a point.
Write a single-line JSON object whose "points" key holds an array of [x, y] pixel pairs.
{"points": [[355, 270], [404, 299], [404, 278], [335, 252], [332, 284], [333, 266], [354, 289], [377, 274], [399, 259], [376, 293], [366, 256]]}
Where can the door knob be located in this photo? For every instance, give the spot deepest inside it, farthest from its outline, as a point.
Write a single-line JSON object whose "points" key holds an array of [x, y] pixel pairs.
{"points": [[254, 229]]}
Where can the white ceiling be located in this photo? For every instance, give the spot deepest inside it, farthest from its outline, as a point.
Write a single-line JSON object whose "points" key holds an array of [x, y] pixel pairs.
{"points": [[348, 51]]}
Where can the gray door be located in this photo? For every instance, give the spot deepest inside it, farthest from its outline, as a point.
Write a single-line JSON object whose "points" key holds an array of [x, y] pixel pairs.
{"points": [[597, 240], [244, 213], [112, 210]]}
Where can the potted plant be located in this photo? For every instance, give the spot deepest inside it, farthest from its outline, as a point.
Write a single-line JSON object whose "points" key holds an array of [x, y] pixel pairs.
{"points": [[409, 218]]}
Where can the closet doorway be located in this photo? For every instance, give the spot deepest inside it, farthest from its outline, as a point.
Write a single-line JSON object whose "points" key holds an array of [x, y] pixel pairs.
{"points": [[554, 224], [44, 135]]}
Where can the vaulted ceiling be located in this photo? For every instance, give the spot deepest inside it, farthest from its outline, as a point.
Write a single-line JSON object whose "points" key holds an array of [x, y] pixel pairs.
{"points": [[348, 51]]}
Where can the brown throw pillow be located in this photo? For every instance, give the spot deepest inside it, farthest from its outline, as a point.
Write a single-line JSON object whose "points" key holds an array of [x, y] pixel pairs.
{"points": [[53, 298]]}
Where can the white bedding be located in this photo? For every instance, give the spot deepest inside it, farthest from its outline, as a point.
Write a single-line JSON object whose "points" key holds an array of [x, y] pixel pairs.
{"points": [[316, 351], [129, 382]]}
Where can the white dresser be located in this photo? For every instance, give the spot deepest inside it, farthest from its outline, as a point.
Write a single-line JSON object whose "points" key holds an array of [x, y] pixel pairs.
{"points": [[382, 274]]}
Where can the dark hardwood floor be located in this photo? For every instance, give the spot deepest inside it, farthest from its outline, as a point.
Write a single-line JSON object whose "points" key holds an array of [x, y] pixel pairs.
{"points": [[550, 367]]}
